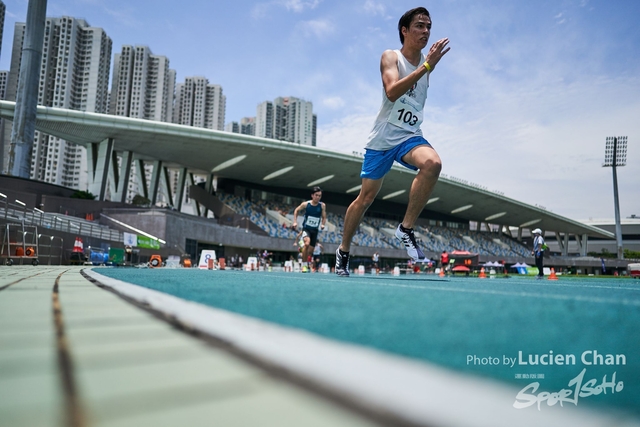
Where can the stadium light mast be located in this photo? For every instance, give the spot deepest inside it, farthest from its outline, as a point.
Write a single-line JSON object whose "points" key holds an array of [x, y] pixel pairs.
{"points": [[615, 154], [24, 119]]}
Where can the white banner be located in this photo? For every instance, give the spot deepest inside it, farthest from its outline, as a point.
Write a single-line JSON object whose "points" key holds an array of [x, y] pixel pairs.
{"points": [[130, 239]]}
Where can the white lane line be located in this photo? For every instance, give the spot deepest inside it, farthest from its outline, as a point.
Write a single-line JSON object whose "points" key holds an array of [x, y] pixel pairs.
{"points": [[522, 294], [415, 391]]}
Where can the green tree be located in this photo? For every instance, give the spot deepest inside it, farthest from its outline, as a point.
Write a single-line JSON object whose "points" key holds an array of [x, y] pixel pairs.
{"points": [[139, 200], [629, 254], [83, 195]]}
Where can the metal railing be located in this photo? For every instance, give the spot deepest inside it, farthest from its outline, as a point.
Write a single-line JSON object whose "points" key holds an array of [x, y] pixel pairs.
{"points": [[18, 212]]}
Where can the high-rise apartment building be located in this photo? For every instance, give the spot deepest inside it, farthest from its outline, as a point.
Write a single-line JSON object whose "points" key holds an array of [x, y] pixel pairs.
{"points": [[143, 85], [233, 127], [3, 9], [287, 119], [247, 126], [3, 85], [74, 74], [200, 104], [4, 76], [265, 120]]}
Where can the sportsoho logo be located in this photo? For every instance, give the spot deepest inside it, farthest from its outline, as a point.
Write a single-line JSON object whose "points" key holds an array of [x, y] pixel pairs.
{"points": [[577, 387]]}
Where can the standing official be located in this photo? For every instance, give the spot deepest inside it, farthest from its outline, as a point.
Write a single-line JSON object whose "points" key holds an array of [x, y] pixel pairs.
{"points": [[538, 251]]}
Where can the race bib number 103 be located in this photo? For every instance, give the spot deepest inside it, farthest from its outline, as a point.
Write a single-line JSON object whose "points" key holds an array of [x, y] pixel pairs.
{"points": [[406, 113]]}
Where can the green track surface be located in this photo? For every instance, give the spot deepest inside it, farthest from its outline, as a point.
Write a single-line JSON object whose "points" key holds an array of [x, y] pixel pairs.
{"points": [[442, 320]]}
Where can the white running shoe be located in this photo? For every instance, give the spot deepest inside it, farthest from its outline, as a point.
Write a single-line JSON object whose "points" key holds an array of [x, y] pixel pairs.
{"points": [[342, 263], [409, 240]]}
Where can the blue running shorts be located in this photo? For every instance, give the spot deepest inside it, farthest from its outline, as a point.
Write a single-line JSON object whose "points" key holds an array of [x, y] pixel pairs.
{"points": [[377, 163]]}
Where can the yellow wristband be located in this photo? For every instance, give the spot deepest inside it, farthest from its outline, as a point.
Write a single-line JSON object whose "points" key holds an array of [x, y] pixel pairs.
{"points": [[427, 66]]}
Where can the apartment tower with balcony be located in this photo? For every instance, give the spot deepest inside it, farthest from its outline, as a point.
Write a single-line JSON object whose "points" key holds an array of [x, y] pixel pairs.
{"points": [[74, 74]]}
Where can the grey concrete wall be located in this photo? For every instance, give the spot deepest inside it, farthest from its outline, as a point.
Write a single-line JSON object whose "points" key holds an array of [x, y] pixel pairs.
{"points": [[175, 228], [50, 197], [77, 207]]}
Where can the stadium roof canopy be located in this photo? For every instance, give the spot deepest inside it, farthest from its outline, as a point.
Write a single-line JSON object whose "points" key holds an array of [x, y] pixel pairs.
{"points": [[284, 164]]}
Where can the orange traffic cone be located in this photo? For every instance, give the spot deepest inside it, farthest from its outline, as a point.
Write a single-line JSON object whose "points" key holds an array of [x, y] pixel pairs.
{"points": [[77, 245], [553, 276], [441, 272], [482, 274]]}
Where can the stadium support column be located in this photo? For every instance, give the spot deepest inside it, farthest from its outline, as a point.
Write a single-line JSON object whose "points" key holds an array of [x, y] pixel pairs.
{"points": [[24, 118], [99, 159], [196, 205], [112, 178], [166, 184], [582, 244], [585, 245], [561, 244], [179, 196], [154, 185], [119, 176], [209, 187], [141, 176]]}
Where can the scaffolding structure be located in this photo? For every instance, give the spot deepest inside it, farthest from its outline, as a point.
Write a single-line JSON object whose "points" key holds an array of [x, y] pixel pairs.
{"points": [[20, 242]]}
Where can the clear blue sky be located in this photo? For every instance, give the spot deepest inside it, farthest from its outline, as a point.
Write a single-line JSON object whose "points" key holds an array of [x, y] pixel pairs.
{"points": [[522, 103]]}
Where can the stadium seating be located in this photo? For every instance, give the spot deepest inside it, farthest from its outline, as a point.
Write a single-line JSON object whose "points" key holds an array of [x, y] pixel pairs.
{"points": [[377, 233]]}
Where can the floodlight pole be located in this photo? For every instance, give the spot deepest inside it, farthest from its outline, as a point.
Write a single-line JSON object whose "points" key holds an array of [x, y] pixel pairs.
{"points": [[24, 119], [616, 201]]}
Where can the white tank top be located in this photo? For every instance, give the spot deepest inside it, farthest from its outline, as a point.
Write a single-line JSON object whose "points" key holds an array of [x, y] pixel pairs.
{"points": [[400, 120]]}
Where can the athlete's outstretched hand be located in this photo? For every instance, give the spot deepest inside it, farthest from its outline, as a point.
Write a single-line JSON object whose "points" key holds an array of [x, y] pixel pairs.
{"points": [[437, 51]]}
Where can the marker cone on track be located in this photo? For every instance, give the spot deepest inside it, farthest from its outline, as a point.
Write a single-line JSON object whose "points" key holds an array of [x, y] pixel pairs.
{"points": [[441, 272], [553, 276], [482, 274], [77, 245]]}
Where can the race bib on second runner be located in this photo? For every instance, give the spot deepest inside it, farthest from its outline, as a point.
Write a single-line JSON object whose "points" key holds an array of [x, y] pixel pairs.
{"points": [[312, 222], [406, 113]]}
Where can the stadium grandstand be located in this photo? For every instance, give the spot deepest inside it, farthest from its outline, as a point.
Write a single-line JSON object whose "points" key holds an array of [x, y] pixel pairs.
{"points": [[253, 185]]}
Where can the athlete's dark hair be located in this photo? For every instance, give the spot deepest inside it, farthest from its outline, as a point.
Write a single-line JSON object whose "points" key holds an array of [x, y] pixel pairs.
{"points": [[315, 189], [405, 20]]}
